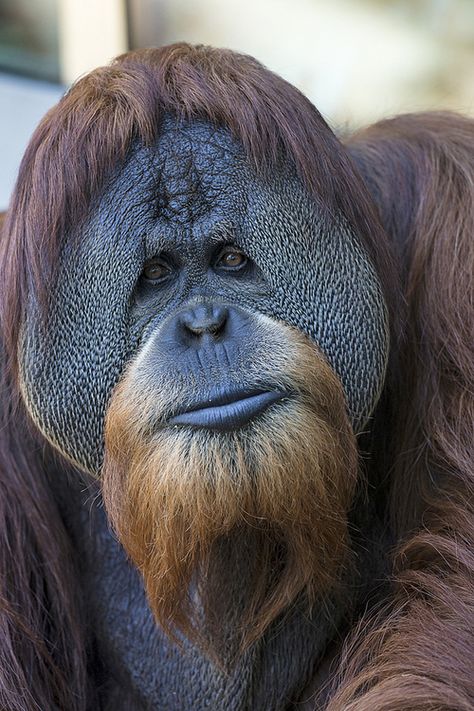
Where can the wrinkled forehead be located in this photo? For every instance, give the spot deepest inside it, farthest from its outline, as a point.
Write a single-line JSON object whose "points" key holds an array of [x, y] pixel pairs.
{"points": [[192, 167], [197, 159], [196, 174], [198, 168]]}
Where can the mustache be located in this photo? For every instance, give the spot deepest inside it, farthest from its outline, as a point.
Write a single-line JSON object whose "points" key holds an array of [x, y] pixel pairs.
{"points": [[274, 496]]}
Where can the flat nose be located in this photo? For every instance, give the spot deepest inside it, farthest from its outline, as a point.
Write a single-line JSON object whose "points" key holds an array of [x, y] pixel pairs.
{"points": [[204, 319]]}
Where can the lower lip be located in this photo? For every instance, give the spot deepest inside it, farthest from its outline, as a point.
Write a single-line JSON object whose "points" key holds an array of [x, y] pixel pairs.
{"points": [[228, 417]]}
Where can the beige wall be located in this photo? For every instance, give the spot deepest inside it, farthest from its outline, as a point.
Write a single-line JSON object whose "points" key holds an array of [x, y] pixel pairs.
{"points": [[91, 33], [357, 60]]}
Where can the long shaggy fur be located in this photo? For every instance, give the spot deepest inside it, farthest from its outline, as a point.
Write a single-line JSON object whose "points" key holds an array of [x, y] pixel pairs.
{"points": [[42, 631], [418, 652]]}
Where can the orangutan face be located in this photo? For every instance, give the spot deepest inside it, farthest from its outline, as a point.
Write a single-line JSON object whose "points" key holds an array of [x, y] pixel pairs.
{"points": [[232, 340]]}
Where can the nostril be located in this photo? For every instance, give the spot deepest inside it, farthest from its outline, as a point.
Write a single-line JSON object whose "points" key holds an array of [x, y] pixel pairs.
{"points": [[219, 320], [203, 320]]}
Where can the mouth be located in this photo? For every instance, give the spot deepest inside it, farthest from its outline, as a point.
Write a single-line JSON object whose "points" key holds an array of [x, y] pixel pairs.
{"points": [[229, 411]]}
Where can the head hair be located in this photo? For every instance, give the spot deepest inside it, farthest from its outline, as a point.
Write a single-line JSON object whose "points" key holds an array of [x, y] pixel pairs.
{"points": [[83, 140]]}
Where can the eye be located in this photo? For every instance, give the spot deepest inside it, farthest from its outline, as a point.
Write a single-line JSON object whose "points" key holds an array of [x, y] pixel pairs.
{"points": [[231, 259], [157, 269]]}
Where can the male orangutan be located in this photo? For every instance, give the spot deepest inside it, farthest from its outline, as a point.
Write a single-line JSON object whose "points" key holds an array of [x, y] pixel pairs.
{"points": [[254, 345]]}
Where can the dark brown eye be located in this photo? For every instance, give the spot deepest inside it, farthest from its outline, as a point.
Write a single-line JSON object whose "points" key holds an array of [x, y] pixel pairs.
{"points": [[231, 258], [156, 270]]}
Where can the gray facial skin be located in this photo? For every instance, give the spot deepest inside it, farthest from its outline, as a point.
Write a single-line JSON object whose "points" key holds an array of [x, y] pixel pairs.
{"points": [[186, 198]]}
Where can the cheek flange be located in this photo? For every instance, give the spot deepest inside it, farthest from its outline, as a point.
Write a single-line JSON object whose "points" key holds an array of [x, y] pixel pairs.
{"points": [[70, 361], [323, 283]]}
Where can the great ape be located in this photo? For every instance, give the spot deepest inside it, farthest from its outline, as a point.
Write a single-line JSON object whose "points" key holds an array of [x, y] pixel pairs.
{"points": [[255, 344]]}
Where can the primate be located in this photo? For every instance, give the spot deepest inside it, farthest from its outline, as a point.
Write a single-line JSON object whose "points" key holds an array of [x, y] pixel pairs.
{"points": [[236, 452]]}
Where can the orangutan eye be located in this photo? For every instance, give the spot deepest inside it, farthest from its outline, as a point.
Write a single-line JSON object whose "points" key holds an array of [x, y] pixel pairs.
{"points": [[231, 259], [157, 269]]}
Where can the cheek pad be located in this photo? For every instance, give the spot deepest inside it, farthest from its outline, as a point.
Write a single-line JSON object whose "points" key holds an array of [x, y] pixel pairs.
{"points": [[323, 284], [68, 373]]}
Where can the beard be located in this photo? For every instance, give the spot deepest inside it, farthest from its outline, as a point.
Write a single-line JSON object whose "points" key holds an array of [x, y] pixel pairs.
{"points": [[230, 529]]}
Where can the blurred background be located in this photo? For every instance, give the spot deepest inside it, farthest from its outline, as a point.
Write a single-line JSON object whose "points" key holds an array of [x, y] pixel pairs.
{"points": [[357, 60]]}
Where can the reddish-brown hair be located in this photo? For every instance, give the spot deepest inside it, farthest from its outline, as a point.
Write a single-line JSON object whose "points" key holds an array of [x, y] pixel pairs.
{"points": [[419, 653]]}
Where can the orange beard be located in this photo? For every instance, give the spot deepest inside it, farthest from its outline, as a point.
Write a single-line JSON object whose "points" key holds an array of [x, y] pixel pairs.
{"points": [[229, 529]]}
